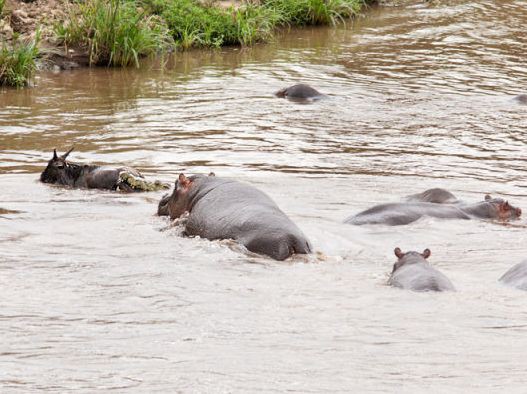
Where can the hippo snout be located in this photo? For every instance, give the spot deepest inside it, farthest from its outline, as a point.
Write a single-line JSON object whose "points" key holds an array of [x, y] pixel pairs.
{"points": [[518, 212]]}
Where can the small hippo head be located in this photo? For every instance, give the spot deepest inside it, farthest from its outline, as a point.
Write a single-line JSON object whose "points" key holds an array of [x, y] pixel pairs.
{"points": [[281, 93], [180, 201], [409, 258], [56, 170], [498, 208]]}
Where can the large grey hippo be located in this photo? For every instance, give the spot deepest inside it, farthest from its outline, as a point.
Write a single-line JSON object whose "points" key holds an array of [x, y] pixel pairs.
{"points": [[299, 92], [221, 208], [402, 213], [60, 171], [516, 276], [413, 272]]}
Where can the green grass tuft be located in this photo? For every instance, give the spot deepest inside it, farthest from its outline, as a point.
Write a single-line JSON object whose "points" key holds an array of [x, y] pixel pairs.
{"points": [[114, 32], [315, 12], [195, 25], [18, 63]]}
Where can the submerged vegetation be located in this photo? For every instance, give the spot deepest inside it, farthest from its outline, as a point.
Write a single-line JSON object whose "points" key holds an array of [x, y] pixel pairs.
{"points": [[18, 61]]}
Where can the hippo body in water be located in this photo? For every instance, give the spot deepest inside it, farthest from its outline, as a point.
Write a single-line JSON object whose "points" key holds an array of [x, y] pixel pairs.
{"points": [[436, 195], [516, 276], [413, 272], [60, 171], [221, 208], [521, 98], [394, 214], [299, 92]]}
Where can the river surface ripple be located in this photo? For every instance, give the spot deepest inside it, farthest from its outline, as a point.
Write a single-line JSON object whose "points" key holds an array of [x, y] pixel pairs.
{"points": [[99, 294]]}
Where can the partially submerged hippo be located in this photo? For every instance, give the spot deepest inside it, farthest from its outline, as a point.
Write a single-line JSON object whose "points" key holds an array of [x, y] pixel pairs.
{"points": [[221, 208], [521, 98], [394, 214], [400, 213], [299, 92], [516, 276], [492, 208], [60, 171], [436, 195], [413, 272]]}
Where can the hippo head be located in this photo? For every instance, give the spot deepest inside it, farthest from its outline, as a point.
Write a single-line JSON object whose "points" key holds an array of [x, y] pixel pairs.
{"points": [[56, 170], [281, 93], [498, 208], [409, 258], [178, 201]]}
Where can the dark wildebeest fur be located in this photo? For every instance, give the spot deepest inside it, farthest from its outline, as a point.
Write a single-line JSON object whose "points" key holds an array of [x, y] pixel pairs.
{"points": [[60, 171]]}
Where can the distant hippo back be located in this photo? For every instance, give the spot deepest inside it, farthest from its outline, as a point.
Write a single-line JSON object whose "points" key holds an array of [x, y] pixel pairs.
{"points": [[521, 98], [436, 195], [516, 276], [299, 92], [413, 272]]}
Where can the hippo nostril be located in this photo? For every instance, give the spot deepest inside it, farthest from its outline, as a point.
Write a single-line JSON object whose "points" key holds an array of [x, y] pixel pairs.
{"points": [[518, 212]]}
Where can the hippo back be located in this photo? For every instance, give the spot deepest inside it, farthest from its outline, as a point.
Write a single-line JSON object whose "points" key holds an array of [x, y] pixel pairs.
{"points": [[436, 195], [420, 277], [516, 276], [223, 208], [395, 214]]}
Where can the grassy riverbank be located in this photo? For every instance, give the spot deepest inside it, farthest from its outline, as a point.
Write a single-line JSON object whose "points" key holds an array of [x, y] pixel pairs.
{"points": [[120, 32], [18, 62]]}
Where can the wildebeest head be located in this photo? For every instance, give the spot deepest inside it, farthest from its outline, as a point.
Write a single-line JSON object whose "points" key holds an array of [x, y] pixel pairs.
{"points": [[57, 170], [409, 258]]}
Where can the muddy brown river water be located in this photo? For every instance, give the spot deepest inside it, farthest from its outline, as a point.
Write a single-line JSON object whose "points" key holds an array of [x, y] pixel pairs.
{"points": [[98, 293]]}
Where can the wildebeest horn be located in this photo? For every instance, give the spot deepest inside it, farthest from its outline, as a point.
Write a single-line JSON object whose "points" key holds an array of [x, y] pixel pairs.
{"points": [[55, 154], [67, 153]]}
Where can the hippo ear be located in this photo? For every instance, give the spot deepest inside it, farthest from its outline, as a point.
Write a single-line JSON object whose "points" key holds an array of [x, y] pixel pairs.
{"points": [[212, 174], [55, 157], [183, 181], [426, 253], [65, 155], [488, 197], [398, 253]]}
